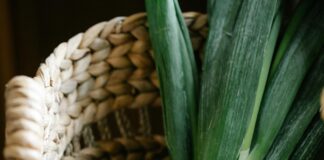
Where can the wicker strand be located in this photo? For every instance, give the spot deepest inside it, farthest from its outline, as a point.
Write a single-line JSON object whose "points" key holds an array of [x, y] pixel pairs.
{"points": [[144, 120], [88, 137]]}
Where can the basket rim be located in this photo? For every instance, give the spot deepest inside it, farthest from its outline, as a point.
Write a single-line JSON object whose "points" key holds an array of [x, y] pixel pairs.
{"points": [[34, 104]]}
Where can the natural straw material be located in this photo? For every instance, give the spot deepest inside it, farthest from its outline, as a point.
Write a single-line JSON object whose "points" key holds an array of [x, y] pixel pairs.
{"points": [[84, 99]]}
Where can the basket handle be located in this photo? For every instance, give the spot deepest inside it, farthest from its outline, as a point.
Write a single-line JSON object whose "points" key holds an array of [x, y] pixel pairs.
{"points": [[24, 118]]}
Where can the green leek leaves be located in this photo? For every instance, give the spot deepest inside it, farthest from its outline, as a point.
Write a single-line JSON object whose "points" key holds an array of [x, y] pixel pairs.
{"points": [[283, 86], [177, 73], [234, 56]]}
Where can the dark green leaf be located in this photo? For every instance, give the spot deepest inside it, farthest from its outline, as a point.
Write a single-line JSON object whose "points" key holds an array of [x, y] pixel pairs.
{"points": [[311, 142], [283, 86], [177, 74], [234, 58], [305, 106]]}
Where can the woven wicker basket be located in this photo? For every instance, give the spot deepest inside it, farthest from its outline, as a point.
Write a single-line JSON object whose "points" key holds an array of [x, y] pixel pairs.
{"points": [[95, 97]]}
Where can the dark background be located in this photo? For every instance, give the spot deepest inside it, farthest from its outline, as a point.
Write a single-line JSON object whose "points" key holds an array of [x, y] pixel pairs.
{"points": [[31, 29], [40, 26]]}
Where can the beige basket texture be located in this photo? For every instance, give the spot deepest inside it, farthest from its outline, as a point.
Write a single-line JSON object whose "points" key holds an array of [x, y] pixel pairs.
{"points": [[95, 97]]}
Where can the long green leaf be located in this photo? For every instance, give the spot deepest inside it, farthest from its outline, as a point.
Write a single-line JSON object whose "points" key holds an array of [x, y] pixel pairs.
{"points": [[234, 56], [283, 86], [268, 52], [305, 106], [219, 38], [177, 74], [293, 25], [311, 142]]}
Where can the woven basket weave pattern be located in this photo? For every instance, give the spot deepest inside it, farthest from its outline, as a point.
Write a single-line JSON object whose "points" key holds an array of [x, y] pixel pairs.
{"points": [[105, 71]]}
